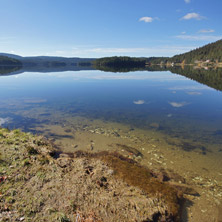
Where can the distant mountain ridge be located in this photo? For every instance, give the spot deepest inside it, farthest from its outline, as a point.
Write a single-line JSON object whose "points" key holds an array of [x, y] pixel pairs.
{"points": [[49, 60], [208, 55], [11, 64], [10, 55]]}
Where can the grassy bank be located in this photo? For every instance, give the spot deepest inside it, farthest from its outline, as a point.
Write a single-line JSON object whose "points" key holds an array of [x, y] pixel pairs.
{"points": [[37, 183]]}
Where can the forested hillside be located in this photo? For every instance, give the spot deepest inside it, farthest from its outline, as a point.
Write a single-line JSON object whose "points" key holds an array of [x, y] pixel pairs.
{"points": [[119, 62], [209, 54], [6, 61], [212, 52]]}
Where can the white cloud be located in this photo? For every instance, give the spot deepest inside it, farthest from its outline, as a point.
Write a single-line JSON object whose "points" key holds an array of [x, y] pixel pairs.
{"points": [[146, 19], [187, 1], [199, 37], [99, 51], [178, 105], [152, 51], [192, 15], [139, 102], [206, 31]]}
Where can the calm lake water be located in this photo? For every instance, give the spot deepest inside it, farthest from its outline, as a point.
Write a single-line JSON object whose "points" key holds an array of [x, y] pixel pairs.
{"points": [[163, 120], [163, 101]]}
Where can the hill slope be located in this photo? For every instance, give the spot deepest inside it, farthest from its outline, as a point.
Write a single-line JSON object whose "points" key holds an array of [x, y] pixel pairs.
{"points": [[212, 52], [6, 61], [50, 61]]}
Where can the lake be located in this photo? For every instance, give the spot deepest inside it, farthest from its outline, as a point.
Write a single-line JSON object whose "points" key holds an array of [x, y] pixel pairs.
{"points": [[161, 119]]}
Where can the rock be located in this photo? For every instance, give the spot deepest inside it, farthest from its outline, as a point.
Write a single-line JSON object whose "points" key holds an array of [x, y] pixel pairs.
{"points": [[130, 150]]}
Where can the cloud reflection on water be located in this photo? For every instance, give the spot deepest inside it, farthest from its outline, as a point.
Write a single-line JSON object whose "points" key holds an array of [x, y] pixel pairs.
{"points": [[178, 104], [139, 102]]}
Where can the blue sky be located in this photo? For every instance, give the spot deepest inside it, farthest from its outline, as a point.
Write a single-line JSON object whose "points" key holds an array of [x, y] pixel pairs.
{"points": [[97, 28]]}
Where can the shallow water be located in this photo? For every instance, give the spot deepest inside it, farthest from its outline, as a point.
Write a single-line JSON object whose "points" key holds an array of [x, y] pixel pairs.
{"points": [[176, 123], [160, 100]]}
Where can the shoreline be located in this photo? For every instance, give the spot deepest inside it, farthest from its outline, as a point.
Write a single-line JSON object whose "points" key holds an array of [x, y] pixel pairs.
{"points": [[38, 165], [29, 162]]}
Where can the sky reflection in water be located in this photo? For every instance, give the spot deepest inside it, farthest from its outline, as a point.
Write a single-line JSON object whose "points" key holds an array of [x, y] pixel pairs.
{"points": [[177, 104]]}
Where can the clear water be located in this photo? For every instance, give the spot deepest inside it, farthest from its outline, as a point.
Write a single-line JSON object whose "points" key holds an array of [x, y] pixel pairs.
{"points": [[167, 102], [176, 123]]}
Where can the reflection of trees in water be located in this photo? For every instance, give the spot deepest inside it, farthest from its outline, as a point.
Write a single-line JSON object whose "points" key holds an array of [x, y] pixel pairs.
{"points": [[211, 77], [53, 67], [4, 70], [120, 69]]}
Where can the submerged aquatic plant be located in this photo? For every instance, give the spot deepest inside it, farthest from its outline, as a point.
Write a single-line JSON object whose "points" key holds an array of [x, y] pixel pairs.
{"points": [[139, 176]]}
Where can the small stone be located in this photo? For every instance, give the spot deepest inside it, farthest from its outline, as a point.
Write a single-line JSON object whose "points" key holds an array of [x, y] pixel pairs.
{"points": [[21, 218]]}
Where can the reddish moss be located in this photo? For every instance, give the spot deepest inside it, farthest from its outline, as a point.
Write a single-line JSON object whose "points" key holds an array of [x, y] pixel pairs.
{"points": [[139, 176]]}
